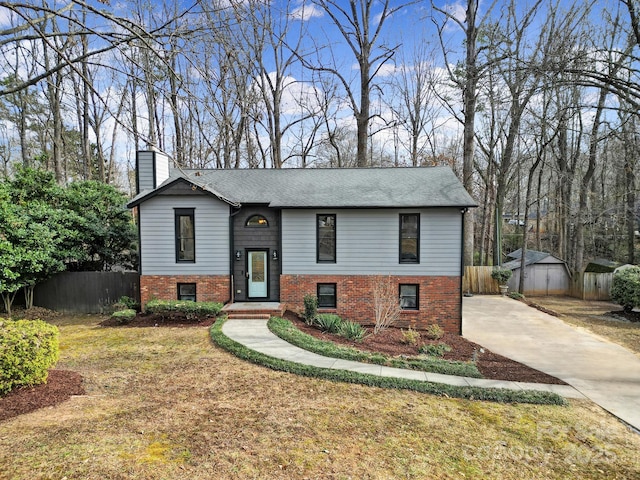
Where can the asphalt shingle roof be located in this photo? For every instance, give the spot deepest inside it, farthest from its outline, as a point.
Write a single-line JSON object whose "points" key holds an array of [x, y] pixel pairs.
{"points": [[306, 188]]}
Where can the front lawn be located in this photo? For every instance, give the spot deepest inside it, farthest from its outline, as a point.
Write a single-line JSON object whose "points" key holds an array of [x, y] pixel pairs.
{"points": [[167, 403]]}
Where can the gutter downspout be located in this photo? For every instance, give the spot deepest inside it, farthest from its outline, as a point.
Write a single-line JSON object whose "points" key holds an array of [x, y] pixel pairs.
{"points": [[463, 211], [232, 257]]}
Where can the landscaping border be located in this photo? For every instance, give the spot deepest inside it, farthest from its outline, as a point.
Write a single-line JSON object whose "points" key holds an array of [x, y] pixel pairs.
{"points": [[285, 330], [470, 393]]}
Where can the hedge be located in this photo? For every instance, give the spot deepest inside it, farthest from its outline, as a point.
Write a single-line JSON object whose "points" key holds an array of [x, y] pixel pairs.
{"points": [[189, 308], [440, 389], [28, 349]]}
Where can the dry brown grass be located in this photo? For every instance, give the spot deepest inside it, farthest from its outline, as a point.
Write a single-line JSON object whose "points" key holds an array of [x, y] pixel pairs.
{"points": [[166, 403], [592, 316]]}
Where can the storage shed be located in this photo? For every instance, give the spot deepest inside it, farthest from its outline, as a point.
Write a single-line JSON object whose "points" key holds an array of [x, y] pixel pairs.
{"points": [[545, 274]]}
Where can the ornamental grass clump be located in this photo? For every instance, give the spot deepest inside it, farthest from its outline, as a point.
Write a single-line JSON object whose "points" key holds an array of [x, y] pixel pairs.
{"points": [[352, 331], [328, 322], [28, 349]]}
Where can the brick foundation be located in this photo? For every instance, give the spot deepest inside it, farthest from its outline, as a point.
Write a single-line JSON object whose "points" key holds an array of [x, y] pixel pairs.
{"points": [[439, 298], [209, 288]]}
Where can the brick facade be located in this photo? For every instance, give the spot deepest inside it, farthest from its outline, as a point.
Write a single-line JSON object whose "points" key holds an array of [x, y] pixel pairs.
{"points": [[439, 298], [209, 288]]}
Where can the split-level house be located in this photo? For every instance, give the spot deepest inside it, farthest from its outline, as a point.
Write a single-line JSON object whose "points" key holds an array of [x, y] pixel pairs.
{"points": [[268, 235]]}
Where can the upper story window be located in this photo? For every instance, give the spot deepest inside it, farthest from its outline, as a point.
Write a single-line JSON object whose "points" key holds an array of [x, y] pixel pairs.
{"points": [[410, 238], [326, 238], [185, 235], [257, 221]]}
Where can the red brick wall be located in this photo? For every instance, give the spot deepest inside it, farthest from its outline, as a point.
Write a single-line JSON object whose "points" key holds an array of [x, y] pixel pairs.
{"points": [[209, 288], [439, 298]]}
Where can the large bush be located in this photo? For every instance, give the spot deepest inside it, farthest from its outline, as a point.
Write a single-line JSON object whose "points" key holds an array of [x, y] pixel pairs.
{"points": [[28, 349], [625, 289]]}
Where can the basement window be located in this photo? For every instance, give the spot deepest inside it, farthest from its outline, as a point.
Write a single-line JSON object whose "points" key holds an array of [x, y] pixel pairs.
{"points": [[327, 295], [187, 291], [408, 296]]}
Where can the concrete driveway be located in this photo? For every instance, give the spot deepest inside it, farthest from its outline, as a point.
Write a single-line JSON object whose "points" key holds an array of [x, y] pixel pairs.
{"points": [[604, 372]]}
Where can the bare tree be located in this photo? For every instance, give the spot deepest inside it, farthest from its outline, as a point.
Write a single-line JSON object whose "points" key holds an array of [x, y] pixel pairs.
{"points": [[414, 103], [360, 27], [468, 84]]}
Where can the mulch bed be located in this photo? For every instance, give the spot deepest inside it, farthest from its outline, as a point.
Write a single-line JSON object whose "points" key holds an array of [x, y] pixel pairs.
{"points": [[491, 365], [153, 320], [60, 386]]}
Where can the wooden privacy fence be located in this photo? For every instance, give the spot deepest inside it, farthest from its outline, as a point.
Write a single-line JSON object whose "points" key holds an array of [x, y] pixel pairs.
{"points": [[478, 280], [587, 286], [592, 286], [86, 292]]}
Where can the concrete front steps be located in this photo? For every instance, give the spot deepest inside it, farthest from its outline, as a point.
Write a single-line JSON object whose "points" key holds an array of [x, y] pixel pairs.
{"points": [[253, 310]]}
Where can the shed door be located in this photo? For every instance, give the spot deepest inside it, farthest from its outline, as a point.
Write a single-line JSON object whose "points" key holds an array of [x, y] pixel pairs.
{"points": [[258, 275], [557, 282]]}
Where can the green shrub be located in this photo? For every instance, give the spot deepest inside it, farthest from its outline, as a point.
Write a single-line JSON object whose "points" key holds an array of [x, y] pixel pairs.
{"points": [[476, 393], [126, 303], [434, 332], [516, 295], [28, 349], [625, 289], [310, 309], [501, 275], [352, 330], [435, 350], [192, 310], [410, 337], [328, 322], [124, 316]]}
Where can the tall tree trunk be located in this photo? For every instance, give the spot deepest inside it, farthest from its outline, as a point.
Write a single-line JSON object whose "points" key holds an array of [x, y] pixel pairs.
{"points": [[584, 185], [468, 141]]}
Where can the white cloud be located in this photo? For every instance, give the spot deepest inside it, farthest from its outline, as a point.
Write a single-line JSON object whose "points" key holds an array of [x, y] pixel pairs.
{"points": [[306, 12]]}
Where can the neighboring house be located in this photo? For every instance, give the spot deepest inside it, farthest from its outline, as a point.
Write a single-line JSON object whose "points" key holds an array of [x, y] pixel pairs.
{"points": [[275, 235], [545, 274]]}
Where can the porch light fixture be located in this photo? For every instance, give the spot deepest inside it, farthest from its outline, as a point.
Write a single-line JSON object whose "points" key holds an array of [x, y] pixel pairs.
{"points": [[238, 255], [274, 255]]}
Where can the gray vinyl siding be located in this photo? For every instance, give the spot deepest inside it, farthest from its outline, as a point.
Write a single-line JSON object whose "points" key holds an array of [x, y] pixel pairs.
{"points": [[145, 171], [153, 169], [367, 242], [157, 232]]}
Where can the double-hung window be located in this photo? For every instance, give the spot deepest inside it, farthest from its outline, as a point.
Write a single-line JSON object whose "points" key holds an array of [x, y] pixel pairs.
{"points": [[326, 238], [185, 235], [187, 291], [410, 238], [409, 296], [327, 295]]}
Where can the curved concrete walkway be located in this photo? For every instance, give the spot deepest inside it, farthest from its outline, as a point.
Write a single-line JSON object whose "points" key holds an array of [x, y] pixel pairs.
{"points": [[256, 335], [604, 372]]}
